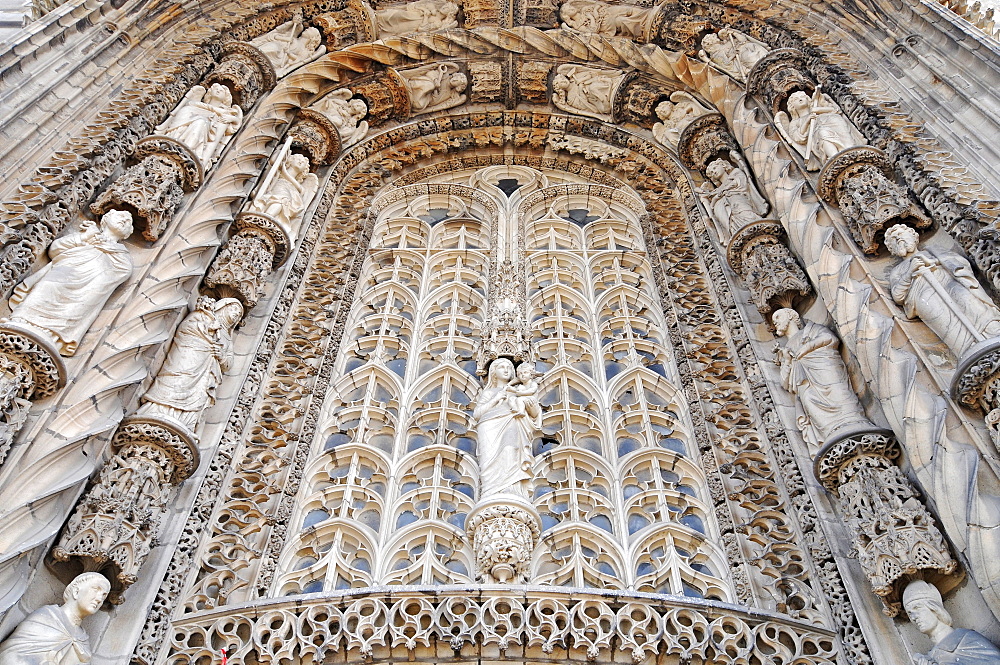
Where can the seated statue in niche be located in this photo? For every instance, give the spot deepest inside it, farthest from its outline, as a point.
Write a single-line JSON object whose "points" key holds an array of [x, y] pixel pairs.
{"points": [[435, 87], [52, 635], [66, 295], [675, 115], [586, 90], [289, 46], [952, 646], [346, 114], [204, 121], [507, 416], [419, 16], [733, 52], [731, 197], [940, 290], [201, 351], [600, 18], [816, 128], [287, 192], [813, 370]]}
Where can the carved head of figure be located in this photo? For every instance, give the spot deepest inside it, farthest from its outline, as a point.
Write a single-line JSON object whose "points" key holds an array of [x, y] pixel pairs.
{"points": [[298, 166], [560, 84], [922, 602], [786, 322], [117, 224], [717, 170], [312, 39], [458, 82], [526, 372], [501, 372], [711, 43], [663, 110], [799, 103], [229, 311], [85, 595], [357, 109], [901, 240], [218, 95]]}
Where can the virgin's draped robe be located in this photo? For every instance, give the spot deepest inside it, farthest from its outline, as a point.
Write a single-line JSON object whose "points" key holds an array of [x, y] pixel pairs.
{"points": [[504, 434], [46, 637]]}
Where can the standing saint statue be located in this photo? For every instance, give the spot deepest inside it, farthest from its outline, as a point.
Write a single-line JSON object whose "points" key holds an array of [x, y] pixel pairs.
{"points": [[507, 416], [941, 290], [52, 635], [204, 121], [816, 128], [952, 646], [64, 297], [731, 197], [288, 190], [202, 350], [813, 371]]}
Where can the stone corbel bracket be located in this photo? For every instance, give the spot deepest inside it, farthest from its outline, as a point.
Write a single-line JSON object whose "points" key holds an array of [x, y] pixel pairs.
{"points": [[503, 530], [155, 186], [258, 248], [706, 138], [245, 70], [895, 536], [860, 182], [777, 75], [115, 525], [759, 254]]}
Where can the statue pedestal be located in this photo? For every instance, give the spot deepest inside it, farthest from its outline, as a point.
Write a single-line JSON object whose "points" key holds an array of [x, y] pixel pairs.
{"points": [[503, 529], [976, 383]]}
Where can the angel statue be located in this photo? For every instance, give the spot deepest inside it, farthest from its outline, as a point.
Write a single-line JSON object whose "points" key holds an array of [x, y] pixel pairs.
{"points": [[816, 128], [732, 51], [289, 46], [204, 121], [730, 196], [419, 16], [675, 115], [346, 114], [586, 91], [435, 87], [288, 189]]}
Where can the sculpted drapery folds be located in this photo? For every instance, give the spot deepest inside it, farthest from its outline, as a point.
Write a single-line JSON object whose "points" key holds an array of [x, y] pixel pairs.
{"points": [[63, 298], [607, 20], [731, 196], [204, 121], [346, 114], [941, 290], [289, 46], [952, 646], [816, 127], [52, 635], [419, 16], [733, 52], [286, 194], [585, 90], [675, 115], [202, 350], [435, 87]]}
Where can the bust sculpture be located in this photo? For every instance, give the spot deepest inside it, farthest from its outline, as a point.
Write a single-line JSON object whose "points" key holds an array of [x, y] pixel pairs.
{"points": [[941, 290], [675, 115], [346, 114], [52, 635], [813, 371], [732, 51], [816, 127], [288, 190], [289, 46], [731, 197], [952, 646], [435, 87], [419, 16], [607, 20], [203, 121], [64, 297], [202, 350], [585, 90], [507, 416]]}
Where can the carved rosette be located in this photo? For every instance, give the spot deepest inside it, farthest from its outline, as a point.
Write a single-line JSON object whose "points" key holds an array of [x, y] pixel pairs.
{"points": [[30, 368], [386, 97], [705, 139], [114, 527], [859, 181], [355, 24], [245, 70], [154, 187], [894, 534], [316, 137], [759, 254], [241, 269], [503, 531], [777, 75]]}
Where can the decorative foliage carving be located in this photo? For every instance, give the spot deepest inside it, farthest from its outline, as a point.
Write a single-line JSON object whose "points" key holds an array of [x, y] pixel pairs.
{"points": [[245, 70], [241, 269], [316, 136], [859, 181], [503, 532], [759, 254], [777, 75], [505, 332]]}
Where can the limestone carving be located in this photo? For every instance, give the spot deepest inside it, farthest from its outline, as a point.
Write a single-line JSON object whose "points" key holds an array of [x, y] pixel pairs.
{"points": [[759, 254], [813, 370], [435, 87], [346, 114], [63, 298], [287, 191], [52, 635], [245, 70], [733, 52], [941, 290], [204, 121], [675, 116], [290, 45], [503, 532], [816, 127], [202, 350], [952, 646], [607, 20], [241, 269], [419, 16], [586, 91], [731, 196]]}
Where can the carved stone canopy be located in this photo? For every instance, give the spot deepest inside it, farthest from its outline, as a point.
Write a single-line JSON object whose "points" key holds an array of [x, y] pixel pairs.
{"points": [[759, 254], [27, 347], [706, 138], [259, 246], [860, 181], [386, 96], [355, 24], [976, 383], [777, 75], [245, 70], [315, 136]]}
